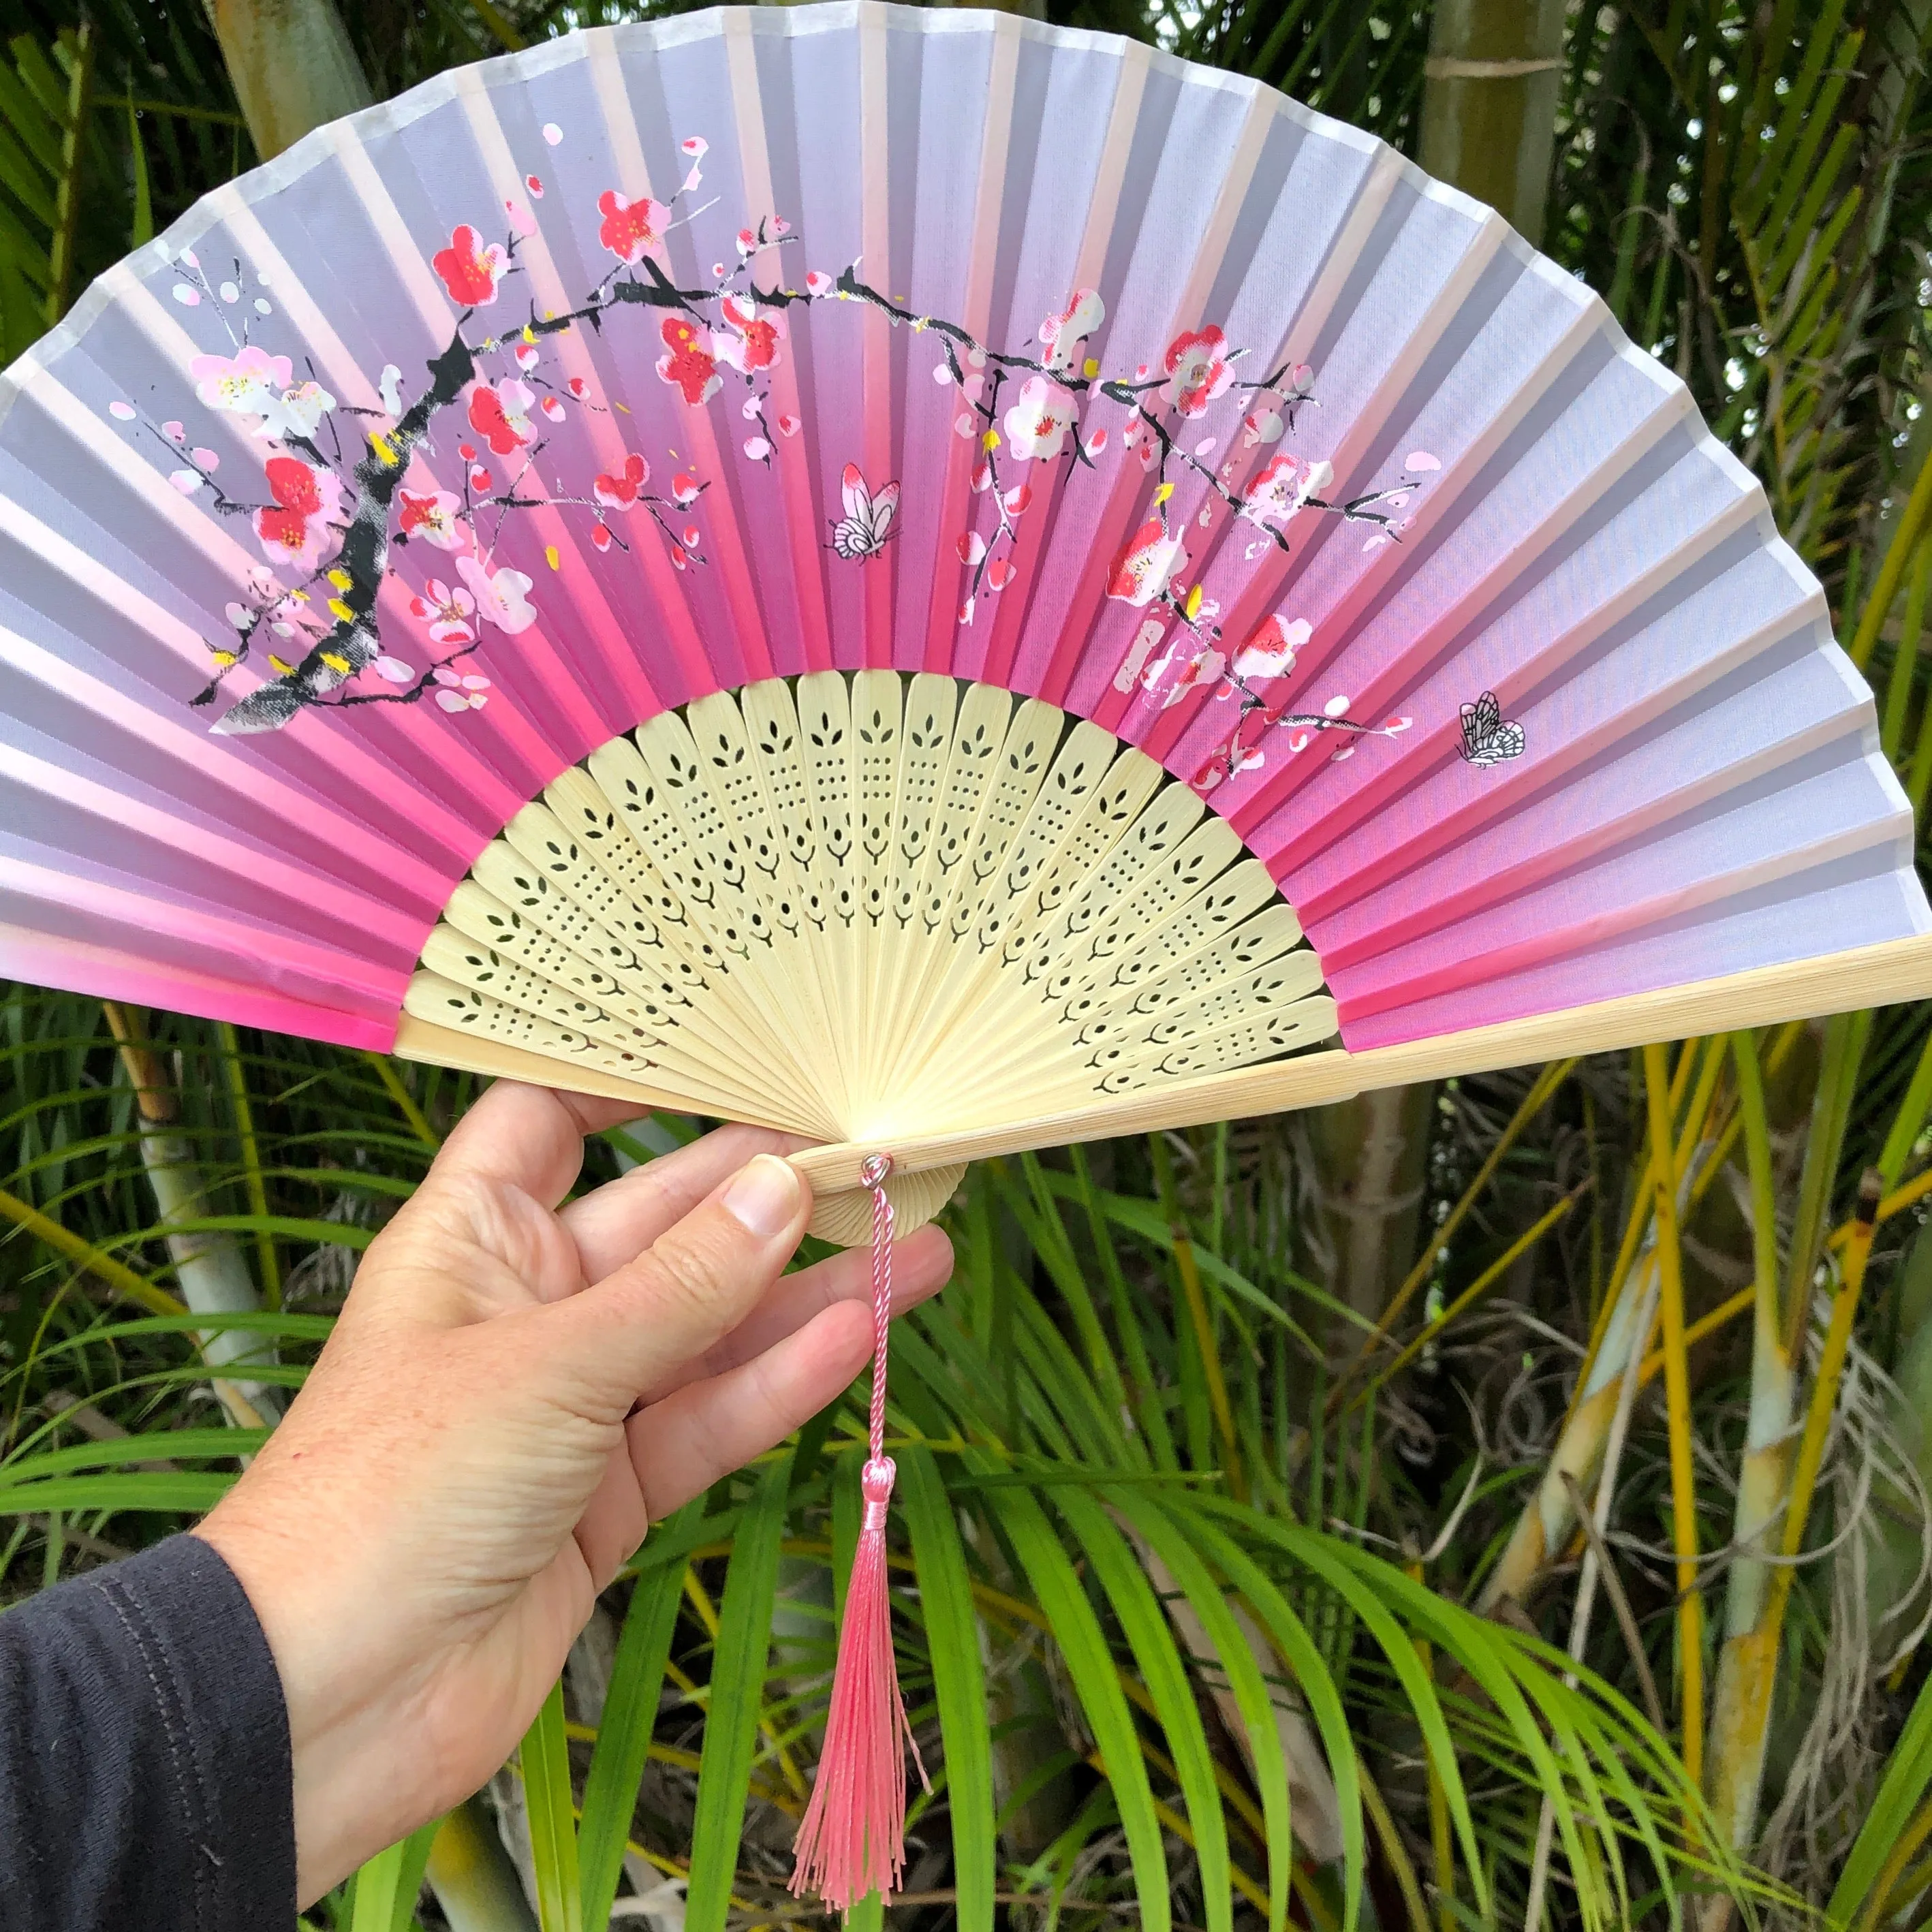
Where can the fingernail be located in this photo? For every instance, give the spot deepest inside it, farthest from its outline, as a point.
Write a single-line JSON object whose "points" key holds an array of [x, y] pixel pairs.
{"points": [[764, 1196]]}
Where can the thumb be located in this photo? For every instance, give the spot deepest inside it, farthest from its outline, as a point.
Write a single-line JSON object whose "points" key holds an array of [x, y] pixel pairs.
{"points": [[646, 1321]]}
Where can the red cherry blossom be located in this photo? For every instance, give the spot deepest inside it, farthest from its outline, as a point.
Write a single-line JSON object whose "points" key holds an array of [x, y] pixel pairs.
{"points": [[471, 269], [432, 515], [686, 363], [684, 487], [298, 528], [630, 229], [500, 415], [1148, 558], [620, 492], [750, 342], [1198, 370]]}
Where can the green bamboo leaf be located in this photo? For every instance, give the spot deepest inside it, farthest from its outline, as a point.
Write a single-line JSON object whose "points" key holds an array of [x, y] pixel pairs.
{"points": [[387, 1886], [1290, 1637], [1170, 1544], [959, 1681], [624, 1732], [737, 1692], [545, 1761], [191, 1493], [1096, 1682], [1907, 1773], [173, 1445], [1151, 1637]]}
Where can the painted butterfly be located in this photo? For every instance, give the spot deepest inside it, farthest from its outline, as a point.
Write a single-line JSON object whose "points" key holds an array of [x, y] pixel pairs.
{"points": [[868, 521], [1488, 737]]}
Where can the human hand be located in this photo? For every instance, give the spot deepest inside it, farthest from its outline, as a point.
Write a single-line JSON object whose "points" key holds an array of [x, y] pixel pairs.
{"points": [[512, 1394]]}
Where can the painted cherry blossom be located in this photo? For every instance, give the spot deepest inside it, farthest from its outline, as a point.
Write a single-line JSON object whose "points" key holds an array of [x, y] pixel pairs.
{"points": [[818, 286], [500, 414], [1196, 666], [687, 364], [1283, 485], [393, 670], [248, 383], [471, 269], [1270, 649], [299, 528], [1140, 572], [1199, 370], [750, 342], [501, 594], [1064, 333], [630, 230], [457, 691], [1036, 425], [450, 614], [434, 515], [620, 492]]}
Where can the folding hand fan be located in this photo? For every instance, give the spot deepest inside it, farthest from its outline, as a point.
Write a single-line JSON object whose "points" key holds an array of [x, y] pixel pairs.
{"points": [[934, 583]]}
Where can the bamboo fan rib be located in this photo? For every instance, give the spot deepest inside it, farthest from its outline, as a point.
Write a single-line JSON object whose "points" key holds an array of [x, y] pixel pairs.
{"points": [[873, 907]]}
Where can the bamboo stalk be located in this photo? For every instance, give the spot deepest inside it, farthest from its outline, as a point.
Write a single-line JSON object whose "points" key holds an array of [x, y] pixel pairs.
{"points": [[1545, 1084], [1677, 1396], [214, 1278]]}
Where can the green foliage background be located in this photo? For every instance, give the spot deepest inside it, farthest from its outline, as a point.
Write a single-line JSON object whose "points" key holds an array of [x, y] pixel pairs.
{"points": [[1212, 1599]]}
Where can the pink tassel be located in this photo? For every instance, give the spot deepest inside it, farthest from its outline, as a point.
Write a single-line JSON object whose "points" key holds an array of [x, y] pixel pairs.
{"points": [[852, 1840]]}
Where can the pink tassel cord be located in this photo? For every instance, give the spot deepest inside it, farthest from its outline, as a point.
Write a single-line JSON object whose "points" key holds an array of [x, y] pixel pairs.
{"points": [[852, 1840]]}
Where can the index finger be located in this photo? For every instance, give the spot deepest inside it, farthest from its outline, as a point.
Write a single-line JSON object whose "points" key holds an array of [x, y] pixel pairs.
{"points": [[529, 1138]]}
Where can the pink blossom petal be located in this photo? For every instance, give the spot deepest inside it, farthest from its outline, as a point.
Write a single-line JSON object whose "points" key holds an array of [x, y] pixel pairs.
{"points": [[1418, 461], [394, 669], [235, 615], [757, 448], [552, 133], [173, 431], [452, 701], [553, 407], [207, 458], [1017, 499], [121, 412], [692, 536], [1000, 573], [444, 675], [942, 375], [966, 610], [971, 546], [965, 423], [189, 259], [1205, 447], [789, 425], [534, 185], [186, 480], [600, 536], [229, 292], [187, 296], [474, 682], [1337, 706]]}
